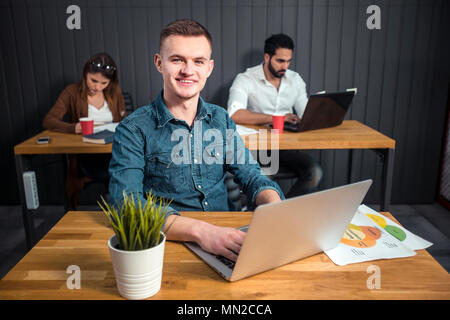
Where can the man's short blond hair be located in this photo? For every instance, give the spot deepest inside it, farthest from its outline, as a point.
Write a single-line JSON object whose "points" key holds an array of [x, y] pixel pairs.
{"points": [[184, 27]]}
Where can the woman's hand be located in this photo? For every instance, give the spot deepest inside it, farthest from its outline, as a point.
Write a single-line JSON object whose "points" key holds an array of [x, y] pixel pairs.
{"points": [[78, 127]]}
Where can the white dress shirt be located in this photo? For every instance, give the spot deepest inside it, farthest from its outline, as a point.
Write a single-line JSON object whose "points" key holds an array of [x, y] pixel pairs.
{"points": [[251, 90], [102, 115]]}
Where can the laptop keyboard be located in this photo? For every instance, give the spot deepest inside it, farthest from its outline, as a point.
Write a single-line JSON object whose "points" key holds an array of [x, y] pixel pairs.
{"points": [[229, 263]]}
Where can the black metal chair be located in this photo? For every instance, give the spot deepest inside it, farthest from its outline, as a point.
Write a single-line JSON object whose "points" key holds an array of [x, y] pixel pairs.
{"points": [[235, 193], [129, 105]]}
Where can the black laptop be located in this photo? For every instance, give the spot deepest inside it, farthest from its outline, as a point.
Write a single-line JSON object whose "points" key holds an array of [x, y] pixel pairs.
{"points": [[323, 111]]}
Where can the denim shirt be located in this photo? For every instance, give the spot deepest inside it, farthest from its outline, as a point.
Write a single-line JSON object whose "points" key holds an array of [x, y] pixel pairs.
{"points": [[154, 151]]}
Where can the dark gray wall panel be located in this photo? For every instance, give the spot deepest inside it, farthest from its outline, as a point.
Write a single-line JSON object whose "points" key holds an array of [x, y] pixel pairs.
{"points": [[401, 71]]}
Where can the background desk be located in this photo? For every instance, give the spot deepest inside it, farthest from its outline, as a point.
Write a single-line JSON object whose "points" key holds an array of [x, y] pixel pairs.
{"points": [[60, 143], [351, 135], [80, 238]]}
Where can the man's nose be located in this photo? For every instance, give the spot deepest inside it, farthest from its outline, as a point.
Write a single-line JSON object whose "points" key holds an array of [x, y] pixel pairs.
{"points": [[187, 68]]}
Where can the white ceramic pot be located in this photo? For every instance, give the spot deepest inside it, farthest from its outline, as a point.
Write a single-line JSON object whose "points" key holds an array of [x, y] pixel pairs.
{"points": [[138, 273]]}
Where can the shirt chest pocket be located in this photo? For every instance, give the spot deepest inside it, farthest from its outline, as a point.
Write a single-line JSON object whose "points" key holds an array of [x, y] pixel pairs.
{"points": [[164, 174], [213, 162]]}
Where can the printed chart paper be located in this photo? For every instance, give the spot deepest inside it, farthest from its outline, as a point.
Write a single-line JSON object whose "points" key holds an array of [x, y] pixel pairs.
{"points": [[372, 236], [407, 238]]}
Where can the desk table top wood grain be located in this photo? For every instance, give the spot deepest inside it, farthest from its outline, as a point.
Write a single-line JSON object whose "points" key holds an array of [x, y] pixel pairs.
{"points": [[60, 143], [80, 238], [351, 134]]}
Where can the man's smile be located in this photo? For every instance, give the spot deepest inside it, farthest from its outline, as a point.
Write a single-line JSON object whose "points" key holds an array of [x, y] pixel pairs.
{"points": [[186, 82]]}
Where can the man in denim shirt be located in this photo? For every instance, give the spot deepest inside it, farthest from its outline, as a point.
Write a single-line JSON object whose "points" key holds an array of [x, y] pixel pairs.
{"points": [[180, 147]]}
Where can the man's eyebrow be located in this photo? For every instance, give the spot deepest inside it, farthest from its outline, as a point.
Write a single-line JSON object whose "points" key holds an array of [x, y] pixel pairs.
{"points": [[175, 56], [279, 59], [179, 56]]}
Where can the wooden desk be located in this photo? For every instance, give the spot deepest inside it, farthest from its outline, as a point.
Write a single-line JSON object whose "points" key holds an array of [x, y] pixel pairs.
{"points": [[60, 143], [349, 135], [80, 238]]}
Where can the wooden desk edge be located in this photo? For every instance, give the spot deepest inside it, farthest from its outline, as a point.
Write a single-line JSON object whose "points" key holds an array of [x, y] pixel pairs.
{"points": [[30, 147], [384, 142]]}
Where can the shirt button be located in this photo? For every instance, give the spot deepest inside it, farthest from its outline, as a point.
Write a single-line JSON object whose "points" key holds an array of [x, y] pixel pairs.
{"points": [[206, 203], [195, 160], [199, 186]]}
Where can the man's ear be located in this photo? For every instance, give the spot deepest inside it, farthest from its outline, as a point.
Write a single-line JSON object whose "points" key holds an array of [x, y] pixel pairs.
{"points": [[266, 58], [157, 61], [211, 67]]}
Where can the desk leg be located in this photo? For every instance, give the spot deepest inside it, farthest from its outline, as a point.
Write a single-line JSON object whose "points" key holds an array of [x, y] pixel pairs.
{"points": [[350, 165], [65, 161], [22, 163], [387, 174]]}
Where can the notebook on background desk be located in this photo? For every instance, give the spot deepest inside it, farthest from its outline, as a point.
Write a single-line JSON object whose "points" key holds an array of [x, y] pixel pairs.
{"points": [[286, 231]]}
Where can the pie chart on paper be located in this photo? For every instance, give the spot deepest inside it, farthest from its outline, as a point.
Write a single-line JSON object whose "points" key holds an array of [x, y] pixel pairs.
{"points": [[393, 230], [360, 236]]}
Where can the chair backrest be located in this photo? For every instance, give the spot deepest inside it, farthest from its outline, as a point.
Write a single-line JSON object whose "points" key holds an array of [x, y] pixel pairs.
{"points": [[235, 194], [129, 105]]}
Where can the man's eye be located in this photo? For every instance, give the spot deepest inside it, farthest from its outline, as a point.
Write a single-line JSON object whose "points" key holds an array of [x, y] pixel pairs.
{"points": [[176, 60], [199, 62]]}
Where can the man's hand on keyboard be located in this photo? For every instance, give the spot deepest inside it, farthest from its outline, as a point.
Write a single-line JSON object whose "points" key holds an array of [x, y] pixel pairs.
{"points": [[220, 240], [291, 118]]}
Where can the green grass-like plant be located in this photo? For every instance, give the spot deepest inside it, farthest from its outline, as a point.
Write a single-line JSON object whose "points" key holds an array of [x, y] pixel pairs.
{"points": [[137, 227]]}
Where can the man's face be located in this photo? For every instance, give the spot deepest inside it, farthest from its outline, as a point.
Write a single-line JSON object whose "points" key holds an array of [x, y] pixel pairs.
{"points": [[185, 64], [279, 62]]}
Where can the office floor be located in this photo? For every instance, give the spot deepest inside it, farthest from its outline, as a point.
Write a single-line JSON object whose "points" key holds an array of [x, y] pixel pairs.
{"points": [[430, 221]]}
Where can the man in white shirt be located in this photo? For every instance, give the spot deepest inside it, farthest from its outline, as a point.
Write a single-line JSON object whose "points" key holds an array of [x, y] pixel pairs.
{"points": [[271, 89]]}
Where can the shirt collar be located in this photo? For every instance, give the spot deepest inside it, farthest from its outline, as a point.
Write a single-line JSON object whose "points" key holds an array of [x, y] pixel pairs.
{"points": [[260, 72], [163, 114], [203, 110]]}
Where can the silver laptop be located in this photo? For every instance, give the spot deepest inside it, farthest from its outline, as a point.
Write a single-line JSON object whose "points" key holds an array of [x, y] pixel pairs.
{"points": [[286, 231]]}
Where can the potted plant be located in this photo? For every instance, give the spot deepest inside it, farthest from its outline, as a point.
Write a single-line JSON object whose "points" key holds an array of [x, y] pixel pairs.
{"points": [[137, 246]]}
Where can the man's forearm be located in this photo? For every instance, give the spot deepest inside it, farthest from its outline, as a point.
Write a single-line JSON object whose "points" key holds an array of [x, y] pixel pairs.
{"points": [[267, 196], [244, 116], [180, 228]]}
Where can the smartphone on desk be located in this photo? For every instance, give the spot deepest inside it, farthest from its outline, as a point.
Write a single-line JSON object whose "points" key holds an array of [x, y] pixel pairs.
{"points": [[43, 140]]}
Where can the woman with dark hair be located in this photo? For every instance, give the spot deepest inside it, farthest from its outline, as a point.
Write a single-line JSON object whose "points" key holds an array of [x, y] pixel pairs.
{"points": [[98, 96]]}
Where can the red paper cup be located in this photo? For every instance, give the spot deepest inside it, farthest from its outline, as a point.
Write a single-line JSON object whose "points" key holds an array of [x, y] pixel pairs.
{"points": [[87, 126], [278, 123]]}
